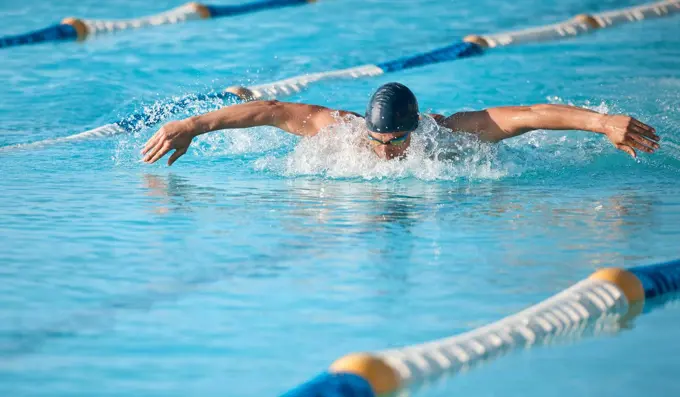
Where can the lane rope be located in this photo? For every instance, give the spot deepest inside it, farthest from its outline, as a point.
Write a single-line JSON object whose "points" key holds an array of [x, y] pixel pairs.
{"points": [[580, 24], [470, 46], [75, 29], [608, 295], [134, 122], [584, 23]]}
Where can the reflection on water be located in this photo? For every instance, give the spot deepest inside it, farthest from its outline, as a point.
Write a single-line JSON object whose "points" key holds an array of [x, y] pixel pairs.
{"points": [[330, 208], [492, 223]]}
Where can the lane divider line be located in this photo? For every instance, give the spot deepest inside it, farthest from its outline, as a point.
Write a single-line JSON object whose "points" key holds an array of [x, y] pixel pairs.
{"points": [[610, 294], [470, 45], [76, 29]]}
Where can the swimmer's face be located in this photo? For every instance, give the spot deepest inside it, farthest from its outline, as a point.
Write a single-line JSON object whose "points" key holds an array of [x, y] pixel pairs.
{"points": [[389, 145]]}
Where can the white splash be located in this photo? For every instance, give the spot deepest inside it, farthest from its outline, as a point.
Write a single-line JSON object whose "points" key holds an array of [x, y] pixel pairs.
{"points": [[241, 141], [342, 151]]}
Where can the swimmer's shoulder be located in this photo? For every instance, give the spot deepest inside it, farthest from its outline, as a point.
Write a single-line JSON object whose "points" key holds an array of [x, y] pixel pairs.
{"points": [[323, 117], [438, 118], [345, 113], [344, 116]]}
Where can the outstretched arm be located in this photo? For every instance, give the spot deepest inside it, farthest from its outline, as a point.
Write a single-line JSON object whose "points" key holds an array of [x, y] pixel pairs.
{"points": [[496, 124], [296, 118]]}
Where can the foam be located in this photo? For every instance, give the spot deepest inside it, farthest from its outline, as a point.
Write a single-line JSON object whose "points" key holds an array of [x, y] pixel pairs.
{"points": [[342, 151]]}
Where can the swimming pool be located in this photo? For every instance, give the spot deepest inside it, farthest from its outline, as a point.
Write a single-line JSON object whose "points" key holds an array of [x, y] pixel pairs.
{"points": [[255, 261]]}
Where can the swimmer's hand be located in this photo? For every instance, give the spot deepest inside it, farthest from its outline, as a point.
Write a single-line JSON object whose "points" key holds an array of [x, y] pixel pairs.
{"points": [[628, 134], [175, 135]]}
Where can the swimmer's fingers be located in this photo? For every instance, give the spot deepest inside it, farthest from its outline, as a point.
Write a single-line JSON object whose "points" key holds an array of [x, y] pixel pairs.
{"points": [[150, 151], [153, 141], [178, 153], [632, 142], [644, 130], [642, 125], [627, 149], [650, 146], [160, 151]]}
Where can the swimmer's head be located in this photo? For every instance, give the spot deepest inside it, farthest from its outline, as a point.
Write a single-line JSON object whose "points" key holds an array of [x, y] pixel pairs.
{"points": [[391, 116]]}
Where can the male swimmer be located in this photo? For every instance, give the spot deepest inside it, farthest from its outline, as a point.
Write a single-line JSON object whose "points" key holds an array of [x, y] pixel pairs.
{"points": [[392, 117]]}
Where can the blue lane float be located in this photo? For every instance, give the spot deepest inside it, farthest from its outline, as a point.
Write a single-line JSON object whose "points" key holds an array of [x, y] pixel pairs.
{"points": [[73, 29], [659, 280], [333, 385], [285, 87], [61, 32], [444, 54], [228, 11]]}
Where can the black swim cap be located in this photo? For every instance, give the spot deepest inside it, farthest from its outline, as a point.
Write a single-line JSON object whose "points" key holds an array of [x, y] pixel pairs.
{"points": [[392, 108]]}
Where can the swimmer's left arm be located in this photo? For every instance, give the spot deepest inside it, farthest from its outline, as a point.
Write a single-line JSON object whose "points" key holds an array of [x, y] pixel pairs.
{"points": [[495, 124]]}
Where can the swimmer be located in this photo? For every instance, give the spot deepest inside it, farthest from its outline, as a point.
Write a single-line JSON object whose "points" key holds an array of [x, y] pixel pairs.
{"points": [[391, 118]]}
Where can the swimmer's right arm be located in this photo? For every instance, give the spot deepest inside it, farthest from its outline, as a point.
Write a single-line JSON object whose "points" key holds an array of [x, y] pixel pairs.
{"points": [[295, 118]]}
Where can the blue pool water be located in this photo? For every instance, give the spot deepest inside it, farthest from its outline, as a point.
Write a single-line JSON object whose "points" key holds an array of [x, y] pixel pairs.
{"points": [[257, 259]]}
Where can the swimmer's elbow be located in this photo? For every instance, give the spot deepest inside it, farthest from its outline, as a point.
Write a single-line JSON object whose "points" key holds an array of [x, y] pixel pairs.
{"points": [[539, 107], [540, 116], [517, 120], [269, 112], [271, 106], [269, 103], [295, 118]]}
